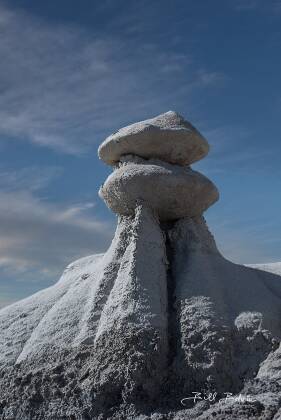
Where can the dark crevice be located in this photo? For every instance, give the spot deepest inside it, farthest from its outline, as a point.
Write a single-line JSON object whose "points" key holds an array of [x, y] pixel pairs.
{"points": [[173, 386], [173, 326]]}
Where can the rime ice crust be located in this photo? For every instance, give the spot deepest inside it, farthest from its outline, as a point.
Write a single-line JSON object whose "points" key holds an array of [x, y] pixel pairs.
{"points": [[171, 191], [130, 333], [167, 137]]}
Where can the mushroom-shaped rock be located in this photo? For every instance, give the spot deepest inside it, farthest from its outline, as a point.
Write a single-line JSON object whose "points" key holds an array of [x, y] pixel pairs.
{"points": [[167, 137], [171, 191], [130, 333]]}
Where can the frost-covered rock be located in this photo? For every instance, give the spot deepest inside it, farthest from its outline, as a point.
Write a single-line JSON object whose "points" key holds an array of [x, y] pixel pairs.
{"points": [[167, 137], [173, 192], [134, 332]]}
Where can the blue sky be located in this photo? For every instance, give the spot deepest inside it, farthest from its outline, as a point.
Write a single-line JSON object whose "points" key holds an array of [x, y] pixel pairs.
{"points": [[73, 72]]}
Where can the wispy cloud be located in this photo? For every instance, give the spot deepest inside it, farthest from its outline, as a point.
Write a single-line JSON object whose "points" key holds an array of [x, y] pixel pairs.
{"points": [[207, 78], [64, 87], [38, 237], [32, 178]]}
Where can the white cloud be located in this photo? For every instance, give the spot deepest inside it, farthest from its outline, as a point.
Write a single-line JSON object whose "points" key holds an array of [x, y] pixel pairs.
{"points": [[39, 236], [32, 178], [43, 236], [64, 87]]}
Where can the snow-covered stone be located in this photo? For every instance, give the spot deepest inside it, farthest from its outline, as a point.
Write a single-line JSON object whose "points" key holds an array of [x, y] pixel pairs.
{"points": [[167, 137], [171, 191]]}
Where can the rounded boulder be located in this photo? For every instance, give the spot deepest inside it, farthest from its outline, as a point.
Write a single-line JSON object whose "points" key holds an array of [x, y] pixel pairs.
{"points": [[171, 191], [167, 137]]}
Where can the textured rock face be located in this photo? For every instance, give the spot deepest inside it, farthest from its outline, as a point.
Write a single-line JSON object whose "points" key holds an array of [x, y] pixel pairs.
{"points": [[131, 333], [171, 191], [167, 137]]}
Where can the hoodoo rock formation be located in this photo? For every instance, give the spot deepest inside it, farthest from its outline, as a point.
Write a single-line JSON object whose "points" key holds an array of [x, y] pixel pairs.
{"points": [[135, 332]]}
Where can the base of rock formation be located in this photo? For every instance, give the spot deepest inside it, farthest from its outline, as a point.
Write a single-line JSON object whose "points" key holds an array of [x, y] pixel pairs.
{"points": [[161, 326], [103, 343]]}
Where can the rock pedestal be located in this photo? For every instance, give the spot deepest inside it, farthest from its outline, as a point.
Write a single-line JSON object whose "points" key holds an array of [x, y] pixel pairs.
{"points": [[162, 314], [151, 160]]}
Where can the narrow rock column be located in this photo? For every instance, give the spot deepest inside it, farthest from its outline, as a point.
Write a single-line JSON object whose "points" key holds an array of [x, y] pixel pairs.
{"points": [[131, 340]]}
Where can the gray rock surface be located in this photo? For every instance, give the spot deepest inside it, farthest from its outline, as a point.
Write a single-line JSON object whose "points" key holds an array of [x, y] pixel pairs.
{"points": [[172, 191], [167, 137], [135, 332]]}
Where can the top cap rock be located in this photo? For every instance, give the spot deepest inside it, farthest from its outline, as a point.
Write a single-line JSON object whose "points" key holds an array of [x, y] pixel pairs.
{"points": [[167, 137]]}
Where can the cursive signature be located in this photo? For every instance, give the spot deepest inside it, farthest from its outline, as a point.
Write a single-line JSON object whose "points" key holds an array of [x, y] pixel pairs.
{"points": [[213, 397]]}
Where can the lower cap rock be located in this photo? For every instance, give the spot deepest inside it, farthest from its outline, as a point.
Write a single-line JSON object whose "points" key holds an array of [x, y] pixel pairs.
{"points": [[171, 191]]}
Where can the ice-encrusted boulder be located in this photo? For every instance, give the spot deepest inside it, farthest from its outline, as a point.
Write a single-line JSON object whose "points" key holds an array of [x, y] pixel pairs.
{"points": [[132, 333], [173, 192], [167, 137]]}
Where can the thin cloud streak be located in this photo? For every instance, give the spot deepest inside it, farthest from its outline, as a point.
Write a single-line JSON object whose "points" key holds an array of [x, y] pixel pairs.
{"points": [[33, 178], [38, 238], [41, 236]]}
